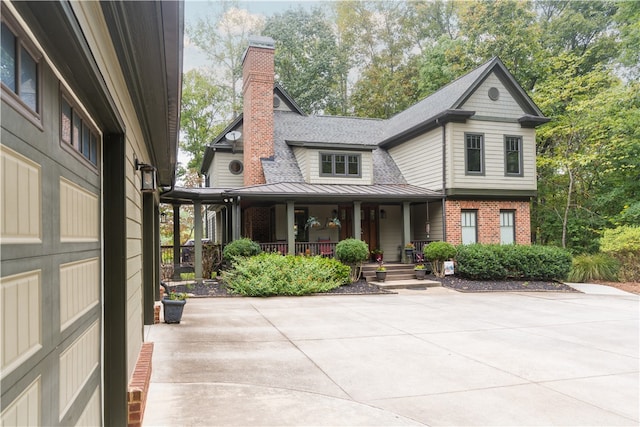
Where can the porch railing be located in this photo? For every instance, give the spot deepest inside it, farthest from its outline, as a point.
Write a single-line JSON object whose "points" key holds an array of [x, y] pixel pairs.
{"points": [[327, 249]]}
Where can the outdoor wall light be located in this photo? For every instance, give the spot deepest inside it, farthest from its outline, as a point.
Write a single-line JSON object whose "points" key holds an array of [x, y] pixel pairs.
{"points": [[148, 177], [383, 214]]}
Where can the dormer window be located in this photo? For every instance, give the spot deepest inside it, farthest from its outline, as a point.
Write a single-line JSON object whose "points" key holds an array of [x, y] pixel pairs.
{"points": [[340, 164]]}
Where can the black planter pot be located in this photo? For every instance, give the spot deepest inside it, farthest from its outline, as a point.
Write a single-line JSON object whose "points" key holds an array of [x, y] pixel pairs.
{"points": [[173, 310], [420, 274], [381, 275]]}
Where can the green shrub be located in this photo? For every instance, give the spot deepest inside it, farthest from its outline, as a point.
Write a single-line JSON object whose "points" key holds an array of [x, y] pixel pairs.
{"points": [[594, 267], [241, 248], [269, 274], [494, 262], [353, 253], [480, 262], [623, 244], [437, 253]]}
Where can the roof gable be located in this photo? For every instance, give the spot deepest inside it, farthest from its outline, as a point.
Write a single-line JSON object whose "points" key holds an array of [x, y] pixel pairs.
{"points": [[442, 105]]}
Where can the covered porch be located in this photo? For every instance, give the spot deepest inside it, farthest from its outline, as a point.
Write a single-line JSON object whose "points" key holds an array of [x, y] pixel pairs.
{"points": [[307, 219]]}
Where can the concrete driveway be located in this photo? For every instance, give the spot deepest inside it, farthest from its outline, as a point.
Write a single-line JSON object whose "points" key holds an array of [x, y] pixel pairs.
{"points": [[423, 357]]}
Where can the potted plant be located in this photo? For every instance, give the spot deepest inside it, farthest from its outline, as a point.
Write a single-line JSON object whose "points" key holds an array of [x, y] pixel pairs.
{"points": [[173, 304], [333, 223], [377, 253], [420, 269], [381, 271], [408, 252], [312, 222]]}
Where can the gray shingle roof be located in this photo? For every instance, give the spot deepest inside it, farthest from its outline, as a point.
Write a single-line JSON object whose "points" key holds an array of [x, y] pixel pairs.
{"points": [[289, 126], [439, 101]]}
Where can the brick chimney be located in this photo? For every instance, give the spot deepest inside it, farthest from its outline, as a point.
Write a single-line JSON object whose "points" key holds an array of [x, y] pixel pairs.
{"points": [[257, 89]]}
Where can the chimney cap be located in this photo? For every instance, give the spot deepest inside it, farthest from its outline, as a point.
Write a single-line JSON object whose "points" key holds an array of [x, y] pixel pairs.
{"points": [[262, 41]]}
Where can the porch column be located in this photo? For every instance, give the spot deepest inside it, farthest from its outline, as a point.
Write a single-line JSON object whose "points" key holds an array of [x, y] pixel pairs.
{"points": [[176, 241], [406, 222], [197, 219], [357, 220], [291, 237], [235, 220]]}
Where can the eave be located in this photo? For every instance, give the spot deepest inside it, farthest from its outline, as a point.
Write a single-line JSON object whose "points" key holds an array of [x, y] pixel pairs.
{"points": [[457, 116]]}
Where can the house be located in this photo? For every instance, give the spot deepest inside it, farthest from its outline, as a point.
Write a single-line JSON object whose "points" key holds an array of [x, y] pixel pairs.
{"points": [[457, 166], [90, 104]]}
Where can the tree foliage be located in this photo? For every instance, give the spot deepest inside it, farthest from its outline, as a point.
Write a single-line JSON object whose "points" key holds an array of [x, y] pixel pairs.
{"points": [[578, 60]]}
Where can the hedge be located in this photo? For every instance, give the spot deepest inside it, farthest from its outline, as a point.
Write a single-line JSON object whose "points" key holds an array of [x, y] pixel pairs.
{"points": [[269, 274], [495, 262]]}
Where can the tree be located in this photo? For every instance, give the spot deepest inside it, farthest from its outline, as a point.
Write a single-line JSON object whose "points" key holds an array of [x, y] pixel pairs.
{"points": [[224, 40], [307, 61], [203, 114]]}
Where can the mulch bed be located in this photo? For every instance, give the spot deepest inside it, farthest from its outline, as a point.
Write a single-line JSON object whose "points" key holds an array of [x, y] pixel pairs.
{"points": [[465, 285], [212, 288]]}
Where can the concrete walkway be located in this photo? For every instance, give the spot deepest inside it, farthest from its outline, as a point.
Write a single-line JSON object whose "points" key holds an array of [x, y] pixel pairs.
{"points": [[420, 357]]}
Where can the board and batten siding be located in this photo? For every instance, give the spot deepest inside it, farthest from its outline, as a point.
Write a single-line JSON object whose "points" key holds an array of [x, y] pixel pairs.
{"points": [[219, 173], [494, 156], [505, 106], [420, 159]]}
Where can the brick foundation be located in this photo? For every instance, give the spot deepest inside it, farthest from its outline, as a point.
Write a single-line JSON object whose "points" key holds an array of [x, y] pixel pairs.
{"points": [[156, 313], [488, 220], [139, 386]]}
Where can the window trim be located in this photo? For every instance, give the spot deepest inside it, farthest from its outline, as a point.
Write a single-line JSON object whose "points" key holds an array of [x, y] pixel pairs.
{"points": [[520, 156], [12, 98], [75, 145], [513, 227], [333, 173], [466, 154], [475, 212]]}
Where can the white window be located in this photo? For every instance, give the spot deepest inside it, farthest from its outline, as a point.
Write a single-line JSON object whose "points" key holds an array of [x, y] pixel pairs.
{"points": [[469, 223], [507, 227]]}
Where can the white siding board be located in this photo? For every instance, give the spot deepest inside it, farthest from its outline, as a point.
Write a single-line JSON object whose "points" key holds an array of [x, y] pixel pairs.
{"points": [[77, 363], [420, 159], [494, 176], [302, 158], [20, 318], [20, 199], [506, 106], [220, 176], [25, 410], [79, 289]]}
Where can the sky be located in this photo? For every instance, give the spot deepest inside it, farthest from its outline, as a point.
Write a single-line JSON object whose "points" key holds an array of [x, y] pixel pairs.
{"points": [[196, 9]]}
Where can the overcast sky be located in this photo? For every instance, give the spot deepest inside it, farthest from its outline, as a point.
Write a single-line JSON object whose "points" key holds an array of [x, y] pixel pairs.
{"points": [[196, 9]]}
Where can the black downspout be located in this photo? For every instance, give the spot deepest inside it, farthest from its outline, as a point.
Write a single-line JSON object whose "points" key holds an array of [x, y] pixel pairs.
{"points": [[444, 179]]}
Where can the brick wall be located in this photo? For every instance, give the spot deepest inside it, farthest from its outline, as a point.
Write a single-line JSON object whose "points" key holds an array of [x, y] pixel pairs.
{"points": [[488, 220], [139, 386], [256, 224], [258, 81]]}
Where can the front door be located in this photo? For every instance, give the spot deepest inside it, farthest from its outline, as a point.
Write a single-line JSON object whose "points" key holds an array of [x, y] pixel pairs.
{"points": [[369, 225]]}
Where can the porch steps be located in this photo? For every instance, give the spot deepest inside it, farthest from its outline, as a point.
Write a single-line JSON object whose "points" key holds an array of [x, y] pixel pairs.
{"points": [[399, 276]]}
